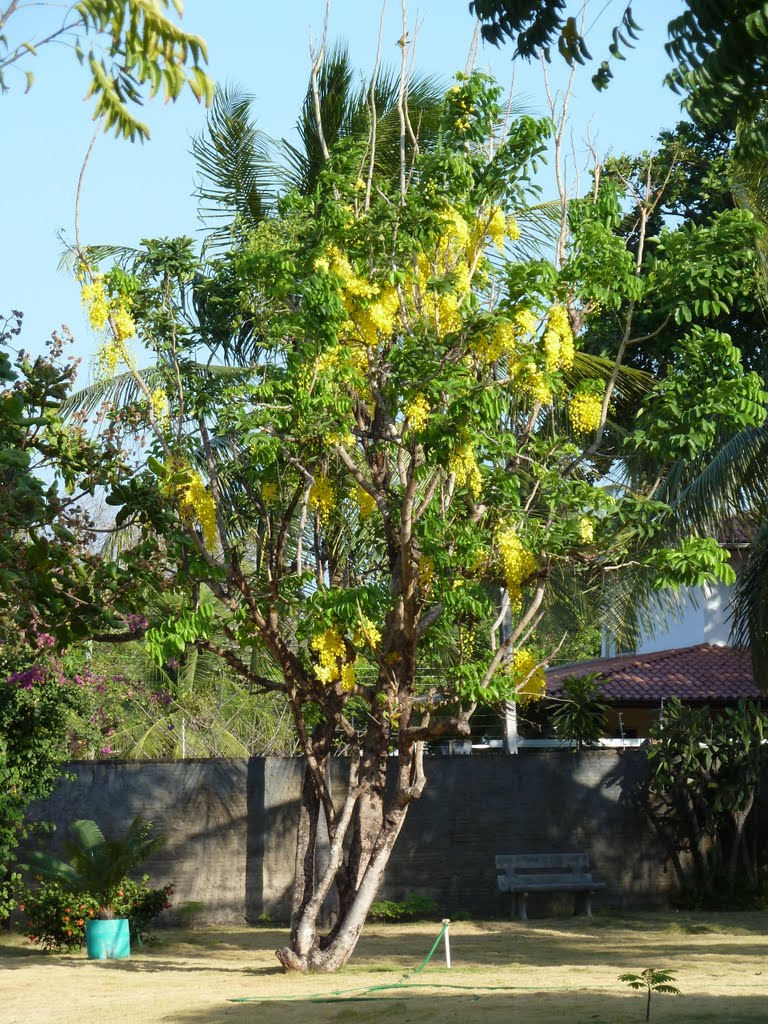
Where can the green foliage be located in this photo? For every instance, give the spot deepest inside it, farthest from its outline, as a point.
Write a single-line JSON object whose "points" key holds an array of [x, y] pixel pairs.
{"points": [[50, 577], [43, 717], [55, 917], [412, 908], [652, 980], [580, 712], [138, 45], [412, 433], [682, 425], [97, 865], [705, 772], [536, 27], [719, 50]]}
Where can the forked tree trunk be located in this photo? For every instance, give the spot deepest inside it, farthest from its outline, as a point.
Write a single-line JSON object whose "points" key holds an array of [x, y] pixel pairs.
{"points": [[361, 842]]}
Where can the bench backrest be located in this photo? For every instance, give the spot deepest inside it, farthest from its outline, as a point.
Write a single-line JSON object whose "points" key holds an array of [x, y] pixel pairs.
{"points": [[550, 867]]}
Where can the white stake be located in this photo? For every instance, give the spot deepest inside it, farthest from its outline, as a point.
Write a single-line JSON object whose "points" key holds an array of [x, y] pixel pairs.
{"points": [[446, 936]]}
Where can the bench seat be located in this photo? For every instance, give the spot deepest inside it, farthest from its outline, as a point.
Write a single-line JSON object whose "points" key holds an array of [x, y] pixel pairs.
{"points": [[521, 873]]}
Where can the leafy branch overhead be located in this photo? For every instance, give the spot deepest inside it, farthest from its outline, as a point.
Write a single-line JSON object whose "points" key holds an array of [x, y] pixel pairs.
{"points": [[719, 50], [136, 44]]}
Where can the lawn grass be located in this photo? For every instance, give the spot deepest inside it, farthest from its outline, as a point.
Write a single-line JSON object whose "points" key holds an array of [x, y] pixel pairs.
{"points": [[544, 970]]}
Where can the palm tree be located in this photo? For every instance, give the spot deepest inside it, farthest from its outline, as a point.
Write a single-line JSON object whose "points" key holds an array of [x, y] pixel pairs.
{"points": [[97, 865]]}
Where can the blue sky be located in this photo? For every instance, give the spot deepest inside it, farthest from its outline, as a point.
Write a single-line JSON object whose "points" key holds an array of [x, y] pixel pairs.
{"points": [[133, 191]]}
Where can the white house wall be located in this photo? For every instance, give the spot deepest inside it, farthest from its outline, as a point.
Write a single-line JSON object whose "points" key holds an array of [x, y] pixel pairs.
{"points": [[702, 618]]}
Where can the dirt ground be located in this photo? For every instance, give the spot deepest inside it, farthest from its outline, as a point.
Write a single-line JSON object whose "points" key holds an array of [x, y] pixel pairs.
{"points": [[545, 970]]}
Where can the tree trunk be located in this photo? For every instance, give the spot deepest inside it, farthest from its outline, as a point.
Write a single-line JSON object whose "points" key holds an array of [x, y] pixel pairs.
{"points": [[370, 821]]}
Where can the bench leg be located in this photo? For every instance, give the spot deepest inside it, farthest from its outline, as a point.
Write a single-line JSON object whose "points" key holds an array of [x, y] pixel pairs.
{"points": [[520, 905], [584, 903]]}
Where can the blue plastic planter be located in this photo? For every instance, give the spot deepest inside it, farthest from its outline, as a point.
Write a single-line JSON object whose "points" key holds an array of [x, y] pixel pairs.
{"points": [[108, 940]]}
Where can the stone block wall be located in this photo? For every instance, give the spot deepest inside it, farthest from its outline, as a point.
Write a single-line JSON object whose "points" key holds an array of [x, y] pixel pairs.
{"points": [[231, 826]]}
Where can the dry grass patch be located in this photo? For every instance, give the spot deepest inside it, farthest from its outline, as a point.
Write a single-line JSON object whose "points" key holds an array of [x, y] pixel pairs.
{"points": [[545, 970]]}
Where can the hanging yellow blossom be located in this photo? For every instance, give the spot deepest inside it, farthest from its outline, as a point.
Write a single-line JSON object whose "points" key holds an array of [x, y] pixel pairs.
{"points": [[586, 529], [558, 340], [366, 503], [426, 571], [463, 464], [269, 492], [96, 303], [322, 498], [501, 342], [497, 228], [530, 680], [331, 650], [417, 412], [347, 677], [108, 359], [585, 412], [517, 562], [195, 502], [159, 404], [367, 633], [513, 229], [343, 437], [123, 323], [531, 382], [526, 322]]}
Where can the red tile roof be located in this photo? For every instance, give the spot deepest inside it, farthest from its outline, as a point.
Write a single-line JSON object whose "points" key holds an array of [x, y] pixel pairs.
{"points": [[737, 532], [704, 674]]}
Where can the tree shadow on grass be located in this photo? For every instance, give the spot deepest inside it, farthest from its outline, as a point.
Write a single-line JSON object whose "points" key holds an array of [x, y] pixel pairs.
{"points": [[435, 1005]]}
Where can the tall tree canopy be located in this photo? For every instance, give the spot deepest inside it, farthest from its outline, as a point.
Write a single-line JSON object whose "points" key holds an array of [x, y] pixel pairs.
{"points": [[408, 464]]}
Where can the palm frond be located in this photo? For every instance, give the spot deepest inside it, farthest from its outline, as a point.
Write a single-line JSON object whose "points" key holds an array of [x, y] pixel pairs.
{"points": [[239, 176], [749, 607], [123, 389], [732, 481]]}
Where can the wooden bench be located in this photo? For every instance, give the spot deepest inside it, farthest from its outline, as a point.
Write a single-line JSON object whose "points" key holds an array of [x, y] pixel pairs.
{"points": [[521, 873]]}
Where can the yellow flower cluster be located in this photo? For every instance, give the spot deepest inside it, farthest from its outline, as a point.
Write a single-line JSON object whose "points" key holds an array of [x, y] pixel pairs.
{"points": [[322, 498], [497, 228], [123, 323], [452, 255], [417, 412], [95, 301], [513, 229], [366, 503], [268, 492], [442, 309], [159, 405], [343, 437], [518, 564], [558, 340], [586, 529], [463, 464], [530, 681], [108, 359], [331, 653], [101, 309], [531, 382], [493, 224], [526, 322], [367, 633], [196, 504], [426, 573], [585, 412], [376, 314], [502, 342]]}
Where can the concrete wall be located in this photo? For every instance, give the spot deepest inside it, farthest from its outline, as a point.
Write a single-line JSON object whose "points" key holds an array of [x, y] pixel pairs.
{"points": [[231, 825]]}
